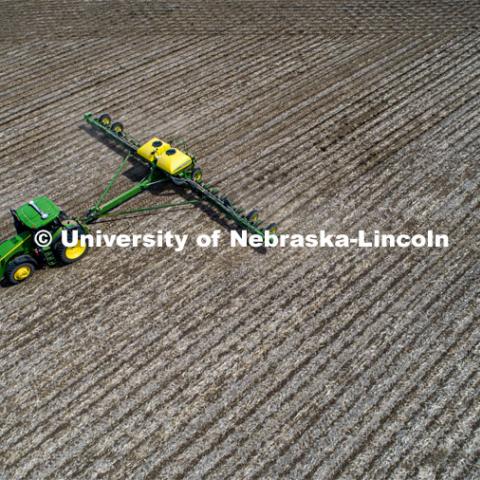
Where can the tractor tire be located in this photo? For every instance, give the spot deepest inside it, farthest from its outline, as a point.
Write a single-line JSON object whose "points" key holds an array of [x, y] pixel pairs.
{"points": [[117, 127], [19, 269], [68, 255], [105, 119]]}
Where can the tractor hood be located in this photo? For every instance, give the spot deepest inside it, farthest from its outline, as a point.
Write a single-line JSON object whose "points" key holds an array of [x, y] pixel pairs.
{"points": [[34, 219]]}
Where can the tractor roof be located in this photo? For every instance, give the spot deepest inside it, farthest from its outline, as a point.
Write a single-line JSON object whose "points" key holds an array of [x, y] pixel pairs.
{"points": [[31, 218]]}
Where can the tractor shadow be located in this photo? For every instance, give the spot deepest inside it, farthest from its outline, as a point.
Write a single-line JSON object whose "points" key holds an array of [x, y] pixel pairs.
{"points": [[137, 172], [5, 284]]}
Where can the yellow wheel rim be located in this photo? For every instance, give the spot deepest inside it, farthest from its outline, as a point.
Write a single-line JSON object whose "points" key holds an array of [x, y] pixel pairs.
{"points": [[106, 121], [21, 273], [72, 253]]}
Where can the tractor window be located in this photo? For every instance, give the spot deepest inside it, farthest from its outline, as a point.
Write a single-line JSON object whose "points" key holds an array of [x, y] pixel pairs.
{"points": [[170, 151], [19, 227], [157, 143]]}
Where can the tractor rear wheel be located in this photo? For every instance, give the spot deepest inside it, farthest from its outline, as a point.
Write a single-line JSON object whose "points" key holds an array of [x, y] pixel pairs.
{"points": [[72, 254], [19, 269], [105, 119]]}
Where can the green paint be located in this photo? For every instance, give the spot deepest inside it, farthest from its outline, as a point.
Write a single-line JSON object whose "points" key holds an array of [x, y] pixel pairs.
{"points": [[32, 219]]}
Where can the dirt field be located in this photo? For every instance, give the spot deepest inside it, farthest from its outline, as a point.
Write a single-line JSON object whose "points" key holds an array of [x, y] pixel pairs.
{"points": [[230, 363]]}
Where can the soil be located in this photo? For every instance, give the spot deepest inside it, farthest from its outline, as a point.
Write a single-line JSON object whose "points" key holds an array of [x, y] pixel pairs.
{"points": [[331, 363]]}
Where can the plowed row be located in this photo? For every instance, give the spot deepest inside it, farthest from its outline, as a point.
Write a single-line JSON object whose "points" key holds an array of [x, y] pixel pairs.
{"points": [[230, 363]]}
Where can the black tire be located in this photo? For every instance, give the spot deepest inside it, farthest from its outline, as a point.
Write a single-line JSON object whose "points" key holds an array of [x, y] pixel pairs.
{"points": [[105, 119], [20, 264], [117, 127], [69, 255], [226, 201], [197, 175], [253, 216], [272, 228]]}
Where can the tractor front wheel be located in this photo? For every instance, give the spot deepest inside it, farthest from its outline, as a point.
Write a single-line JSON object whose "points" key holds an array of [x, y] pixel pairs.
{"points": [[71, 254], [19, 269]]}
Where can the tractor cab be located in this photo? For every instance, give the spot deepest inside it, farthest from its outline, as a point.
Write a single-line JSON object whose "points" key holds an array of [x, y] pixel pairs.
{"points": [[36, 214], [164, 156]]}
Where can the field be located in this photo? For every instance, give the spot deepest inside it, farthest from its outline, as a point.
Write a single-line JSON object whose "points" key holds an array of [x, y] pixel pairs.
{"points": [[329, 363]]}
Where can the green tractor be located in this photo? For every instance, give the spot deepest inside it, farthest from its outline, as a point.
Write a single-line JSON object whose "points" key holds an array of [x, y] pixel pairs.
{"points": [[39, 225]]}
